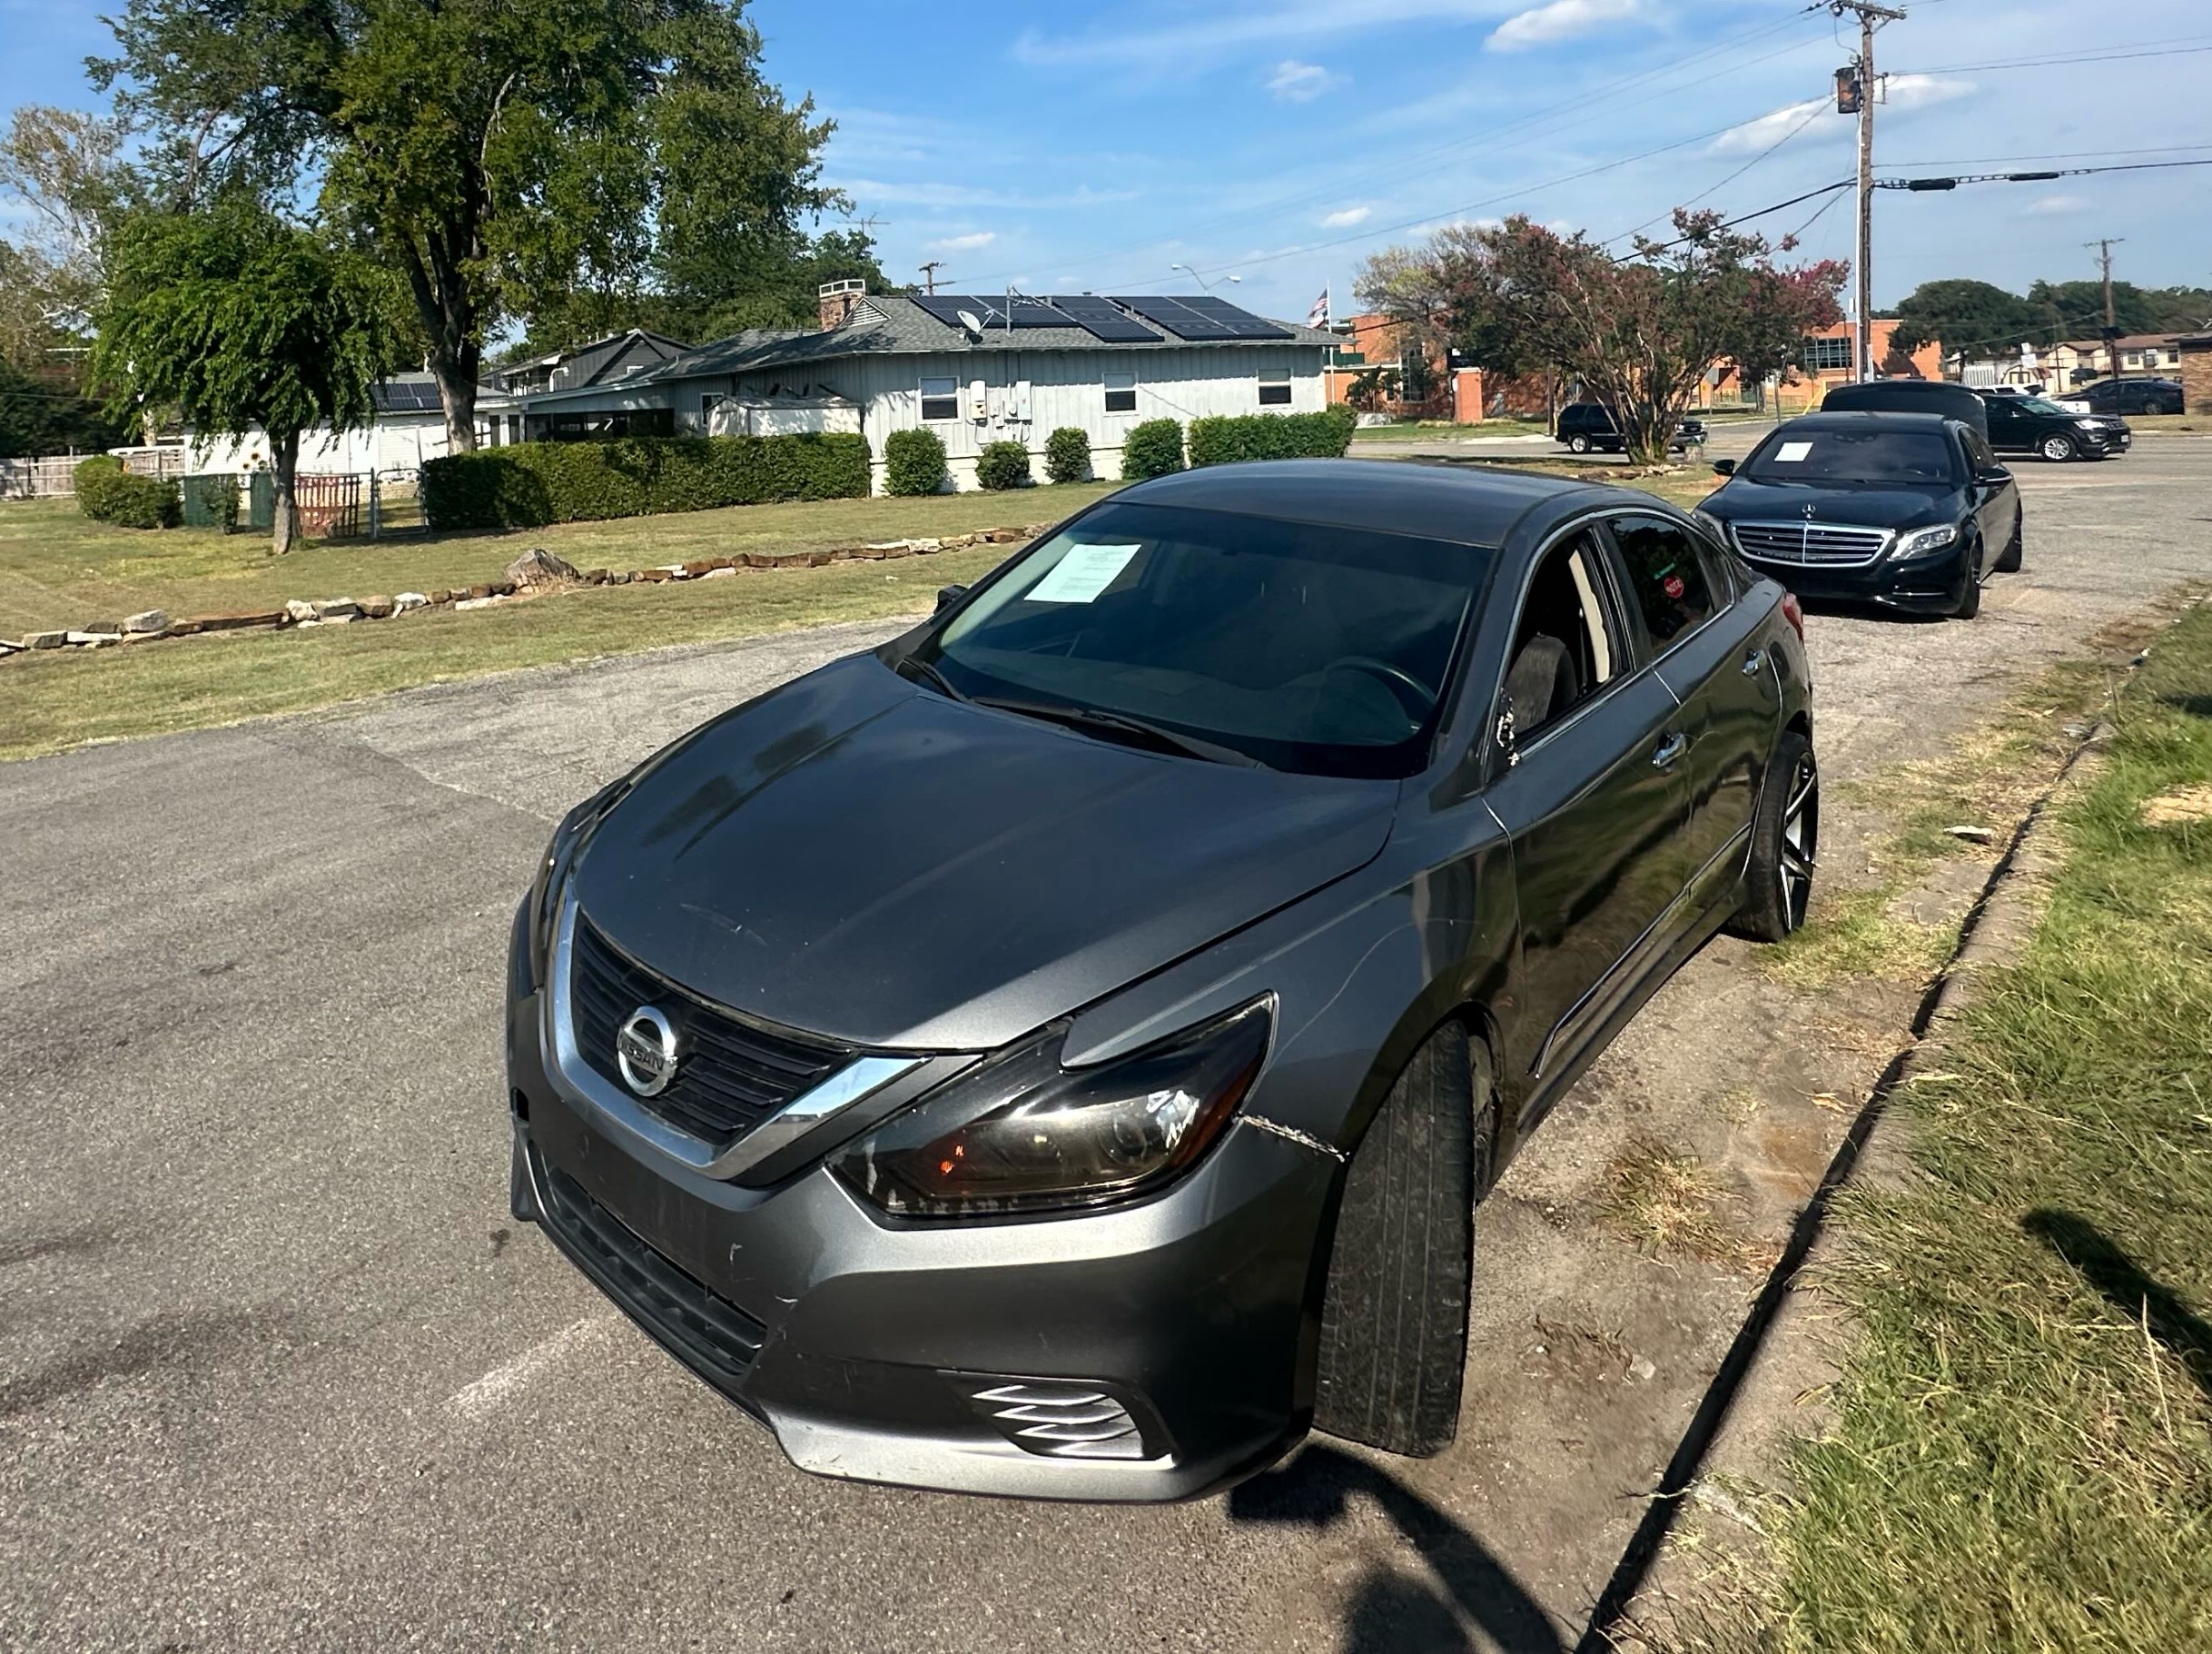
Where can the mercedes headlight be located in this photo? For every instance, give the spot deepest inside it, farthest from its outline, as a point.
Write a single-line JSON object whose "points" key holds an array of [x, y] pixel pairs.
{"points": [[1922, 542], [1022, 1135]]}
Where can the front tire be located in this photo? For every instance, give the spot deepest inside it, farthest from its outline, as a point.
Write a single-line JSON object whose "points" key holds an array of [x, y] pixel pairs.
{"points": [[2009, 563], [1970, 602], [1393, 1316], [1785, 844], [1579, 444], [2057, 448]]}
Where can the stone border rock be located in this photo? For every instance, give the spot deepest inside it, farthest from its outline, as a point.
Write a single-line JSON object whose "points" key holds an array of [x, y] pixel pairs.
{"points": [[536, 571]]}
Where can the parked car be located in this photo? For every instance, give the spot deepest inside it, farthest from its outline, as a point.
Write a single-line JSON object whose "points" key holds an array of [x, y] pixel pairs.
{"points": [[2032, 425], [2122, 396], [1057, 1053], [1936, 396], [1587, 427], [1909, 510]]}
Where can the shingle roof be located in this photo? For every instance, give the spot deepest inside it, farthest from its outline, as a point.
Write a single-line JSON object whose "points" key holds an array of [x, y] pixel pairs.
{"points": [[889, 324]]}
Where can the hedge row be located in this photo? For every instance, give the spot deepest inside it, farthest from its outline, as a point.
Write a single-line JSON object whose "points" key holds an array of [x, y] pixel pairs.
{"points": [[106, 493], [1224, 440], [530, 485]]}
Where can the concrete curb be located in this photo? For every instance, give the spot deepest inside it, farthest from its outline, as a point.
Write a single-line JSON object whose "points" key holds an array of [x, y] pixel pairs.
{"points": [[299, 613]]}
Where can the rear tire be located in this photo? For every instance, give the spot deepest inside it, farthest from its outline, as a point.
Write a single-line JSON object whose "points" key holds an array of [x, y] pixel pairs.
{"points": [[2010, 563], [1394, 1317], [1785, 844]]}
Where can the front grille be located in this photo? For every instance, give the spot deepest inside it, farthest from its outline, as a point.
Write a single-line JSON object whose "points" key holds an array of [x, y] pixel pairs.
{"points": [[730, 1073], [1827, 545], [705, 1327]]}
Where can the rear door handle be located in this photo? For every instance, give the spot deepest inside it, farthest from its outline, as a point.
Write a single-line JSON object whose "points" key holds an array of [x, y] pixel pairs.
{"points": [[1670, 750], [1752, 661]]}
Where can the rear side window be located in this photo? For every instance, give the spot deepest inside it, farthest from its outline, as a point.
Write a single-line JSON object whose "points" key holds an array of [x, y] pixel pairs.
{"points": [[1666, 579]]}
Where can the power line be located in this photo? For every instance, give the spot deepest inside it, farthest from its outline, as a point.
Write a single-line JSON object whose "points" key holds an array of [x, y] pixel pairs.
{"points": [[1819, 108], [2180, 45]]}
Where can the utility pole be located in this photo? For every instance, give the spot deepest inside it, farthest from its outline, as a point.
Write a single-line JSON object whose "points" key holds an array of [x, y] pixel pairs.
{"points": [[929, 273], [2104, 246], [1862, 332]]}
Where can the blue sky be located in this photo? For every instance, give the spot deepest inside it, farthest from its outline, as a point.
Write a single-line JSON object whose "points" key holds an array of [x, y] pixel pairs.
{"points": [[1097, 147]]}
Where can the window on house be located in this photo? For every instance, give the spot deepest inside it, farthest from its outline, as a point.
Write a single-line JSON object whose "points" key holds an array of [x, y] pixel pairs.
{"points": [[711, 400], [1120, 392], [941, 398], [1828, 355], [1275, 389]]}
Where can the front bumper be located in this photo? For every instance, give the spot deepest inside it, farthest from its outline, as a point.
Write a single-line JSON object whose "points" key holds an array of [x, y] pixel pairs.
{"points": [[869, 1348], [1931, 585]]}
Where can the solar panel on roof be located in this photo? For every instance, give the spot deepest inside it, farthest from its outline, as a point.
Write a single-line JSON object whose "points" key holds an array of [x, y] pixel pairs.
{"points": [[1178, 318], [1241, 323], [1100, 320], [991, 313]]}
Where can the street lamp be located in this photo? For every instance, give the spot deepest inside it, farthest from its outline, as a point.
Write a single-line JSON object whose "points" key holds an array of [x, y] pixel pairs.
{"points": [[1198, 278]]}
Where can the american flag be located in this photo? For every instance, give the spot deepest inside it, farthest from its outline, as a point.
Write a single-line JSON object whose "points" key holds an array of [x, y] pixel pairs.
{"points": [[1319, 315]]}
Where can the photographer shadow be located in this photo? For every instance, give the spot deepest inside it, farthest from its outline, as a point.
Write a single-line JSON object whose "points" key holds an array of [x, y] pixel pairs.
{"points": [[2086, 1250]]}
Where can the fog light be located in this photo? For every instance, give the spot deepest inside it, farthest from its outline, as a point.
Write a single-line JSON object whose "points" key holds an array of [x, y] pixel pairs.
{"points": [[1062, 1421]]}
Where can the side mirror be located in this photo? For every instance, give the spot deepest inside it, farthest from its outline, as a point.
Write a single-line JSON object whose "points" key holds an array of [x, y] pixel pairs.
{"points": [[1992, 476], [1723, 467], [947, 595]]}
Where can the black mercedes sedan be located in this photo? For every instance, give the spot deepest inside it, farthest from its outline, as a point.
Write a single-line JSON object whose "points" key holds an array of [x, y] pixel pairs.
{"points": [[1909, 510], [1057, 1053]]}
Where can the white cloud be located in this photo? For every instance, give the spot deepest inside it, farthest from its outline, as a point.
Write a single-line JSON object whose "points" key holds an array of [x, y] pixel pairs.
{"points": [[1345, 218], [970, 243], [1297, 83], [1561, 20], [1918, 91], [1770, 128], [1818, 118], [2062, 204]]}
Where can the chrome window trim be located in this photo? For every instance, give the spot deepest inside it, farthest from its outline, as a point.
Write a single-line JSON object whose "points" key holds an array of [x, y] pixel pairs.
{"points": [[631, 1121]]}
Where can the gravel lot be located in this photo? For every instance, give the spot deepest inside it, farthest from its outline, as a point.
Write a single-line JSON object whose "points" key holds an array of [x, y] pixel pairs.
{"points": [[277, 1371]]}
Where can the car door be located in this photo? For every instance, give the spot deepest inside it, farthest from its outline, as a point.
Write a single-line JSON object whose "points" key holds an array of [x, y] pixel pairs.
{"points": [[1707, 647], [1997, 505], [2012, 429], [1593, 805]]}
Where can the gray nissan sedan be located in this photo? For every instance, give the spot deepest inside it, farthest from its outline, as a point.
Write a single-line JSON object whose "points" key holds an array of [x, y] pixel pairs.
{"points": [[1059, 1052]]}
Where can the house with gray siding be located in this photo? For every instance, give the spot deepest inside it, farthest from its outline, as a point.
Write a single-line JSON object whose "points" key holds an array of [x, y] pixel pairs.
{"points": [[973, 370]]}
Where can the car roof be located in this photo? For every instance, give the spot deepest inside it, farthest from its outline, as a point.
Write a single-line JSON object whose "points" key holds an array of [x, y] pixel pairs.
{"points": [[1437, 500], [1858, 419]]}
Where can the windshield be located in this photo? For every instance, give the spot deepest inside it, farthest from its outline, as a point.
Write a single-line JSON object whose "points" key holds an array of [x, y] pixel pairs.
{"points": [[1870, 456], [1311, 648]]}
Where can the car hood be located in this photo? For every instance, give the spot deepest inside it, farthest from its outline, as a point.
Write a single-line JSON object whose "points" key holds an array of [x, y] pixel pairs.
{"points": [[1740, 498], [862, 857]]}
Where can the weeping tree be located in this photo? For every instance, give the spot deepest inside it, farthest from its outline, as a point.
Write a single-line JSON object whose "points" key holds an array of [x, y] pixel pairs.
{"points": [[241, 321], [563, 163]]}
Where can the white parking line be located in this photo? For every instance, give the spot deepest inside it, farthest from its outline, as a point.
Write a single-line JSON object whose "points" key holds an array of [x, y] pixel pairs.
{"points": [[474, 1401]]}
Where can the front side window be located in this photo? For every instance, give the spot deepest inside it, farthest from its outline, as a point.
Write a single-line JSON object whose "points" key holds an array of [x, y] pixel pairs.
{"points": [[1564, 649], [1275, 389], [1666, 583], [941, 398], [1317, 649], [1120, 391]]}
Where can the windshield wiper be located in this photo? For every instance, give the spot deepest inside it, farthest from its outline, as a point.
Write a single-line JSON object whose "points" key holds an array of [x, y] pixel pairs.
{"points": [[1121, 723], [911, 667]]}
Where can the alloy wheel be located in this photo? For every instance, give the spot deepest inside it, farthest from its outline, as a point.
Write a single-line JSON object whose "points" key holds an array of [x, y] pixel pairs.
{"points": [[1801, 841], [2057, 448]]}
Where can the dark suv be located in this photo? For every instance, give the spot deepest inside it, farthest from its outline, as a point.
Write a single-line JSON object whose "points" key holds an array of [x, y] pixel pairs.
{"points": [[2030, 425], [1586, 427], [2125, 396]]}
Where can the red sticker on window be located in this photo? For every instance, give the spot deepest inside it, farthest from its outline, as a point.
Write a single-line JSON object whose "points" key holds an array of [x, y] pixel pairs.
{"points": [[1673, 586]]}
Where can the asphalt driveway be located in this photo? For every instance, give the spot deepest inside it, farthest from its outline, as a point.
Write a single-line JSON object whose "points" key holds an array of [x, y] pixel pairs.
{"points": [[277, 1371]]}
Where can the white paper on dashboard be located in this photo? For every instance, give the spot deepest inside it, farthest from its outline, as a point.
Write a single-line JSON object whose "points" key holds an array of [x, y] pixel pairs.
{"points": [[1791, 452], [1082, 574]]}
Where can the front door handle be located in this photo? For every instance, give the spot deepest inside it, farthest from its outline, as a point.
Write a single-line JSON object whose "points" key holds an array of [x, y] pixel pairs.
{"points": [[1671, 749], [1752, 661]]}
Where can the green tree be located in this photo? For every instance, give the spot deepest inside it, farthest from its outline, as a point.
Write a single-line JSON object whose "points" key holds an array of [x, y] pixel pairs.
{"points": [[508, 158], [1968, 317], [43, 414], [2179, 310], [2076, 310], [239, 321]]}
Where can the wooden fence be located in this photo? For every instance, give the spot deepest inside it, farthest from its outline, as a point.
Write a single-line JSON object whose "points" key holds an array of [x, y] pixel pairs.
{"points": [[47, 478]]}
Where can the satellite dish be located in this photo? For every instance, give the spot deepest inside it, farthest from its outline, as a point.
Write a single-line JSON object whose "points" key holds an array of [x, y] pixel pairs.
{"points": [[972, 322]]}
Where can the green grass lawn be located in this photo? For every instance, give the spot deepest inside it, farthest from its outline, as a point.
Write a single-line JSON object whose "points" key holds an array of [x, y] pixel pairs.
{"points": [[58, 569], [2021, 1461], [58, 699], [1430, 431]]}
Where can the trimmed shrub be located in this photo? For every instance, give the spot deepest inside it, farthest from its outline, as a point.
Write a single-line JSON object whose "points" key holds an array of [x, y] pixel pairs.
{"points": [[1002, 465], [1224, 440], [913, 462], [530, 485], [213, 499], [106, 493], [1067, 454], [1153, 449]]}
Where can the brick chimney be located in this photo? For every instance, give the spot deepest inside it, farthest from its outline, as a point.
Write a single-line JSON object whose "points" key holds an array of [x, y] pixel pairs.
{"points": [[836, 300]]}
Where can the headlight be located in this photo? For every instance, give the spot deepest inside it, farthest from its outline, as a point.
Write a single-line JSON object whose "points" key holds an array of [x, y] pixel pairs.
{"points": [[1923, 541], [2090, 425], [1023, 1135]]}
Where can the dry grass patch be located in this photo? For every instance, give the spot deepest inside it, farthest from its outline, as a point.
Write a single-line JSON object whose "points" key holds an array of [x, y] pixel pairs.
{"points": [[1854, 934], [1666, 1203]]}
